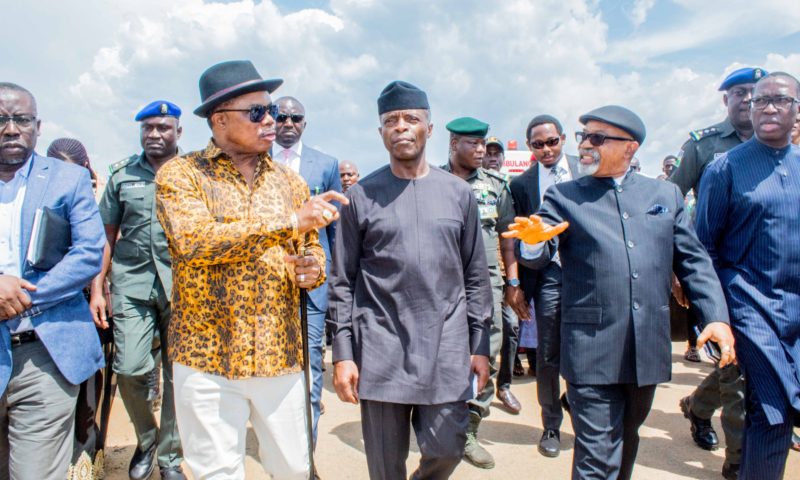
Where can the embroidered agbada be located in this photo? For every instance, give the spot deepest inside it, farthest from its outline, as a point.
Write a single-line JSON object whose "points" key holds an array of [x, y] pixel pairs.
{"points": [[234, 306]]}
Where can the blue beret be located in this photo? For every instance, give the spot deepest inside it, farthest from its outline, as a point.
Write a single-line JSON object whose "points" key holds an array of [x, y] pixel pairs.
{"points": [[619, 117], [400, 95], [742, 75], [159, 108], [468, 127]]}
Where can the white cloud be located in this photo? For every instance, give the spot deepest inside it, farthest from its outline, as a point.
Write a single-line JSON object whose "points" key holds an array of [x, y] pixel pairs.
{"points": [[503, 62], [639, 11]]}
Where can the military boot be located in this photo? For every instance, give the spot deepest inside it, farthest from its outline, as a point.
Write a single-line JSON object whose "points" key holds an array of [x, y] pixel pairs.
{"points": [[473, 451]]}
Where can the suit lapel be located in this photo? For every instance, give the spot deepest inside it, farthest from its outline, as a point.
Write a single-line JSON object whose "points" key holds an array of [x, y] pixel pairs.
{"points": [[38, 181], [307, 168], [533, 189]]}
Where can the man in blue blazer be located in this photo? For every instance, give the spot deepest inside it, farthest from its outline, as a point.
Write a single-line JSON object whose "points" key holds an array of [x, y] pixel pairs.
{"points": [[626, 234], [49, 341], [321, 173]]}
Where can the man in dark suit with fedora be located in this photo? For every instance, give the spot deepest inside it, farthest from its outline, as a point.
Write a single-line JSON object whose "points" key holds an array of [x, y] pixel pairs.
{"points": [[242, 233], [626, 235], [545, 138]]}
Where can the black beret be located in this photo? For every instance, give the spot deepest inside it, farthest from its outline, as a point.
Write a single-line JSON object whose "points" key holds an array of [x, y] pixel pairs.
{"points": [[400, 95], [619, 117]]}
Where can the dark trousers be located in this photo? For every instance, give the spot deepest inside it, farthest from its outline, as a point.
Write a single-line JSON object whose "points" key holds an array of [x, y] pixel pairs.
{"points": [[724, 388], [606, 420], [508, 350], [547, 303], [441, 432], [764, 446]]}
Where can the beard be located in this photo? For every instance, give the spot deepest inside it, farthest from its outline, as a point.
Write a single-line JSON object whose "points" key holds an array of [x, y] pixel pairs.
{"points": [[593, 167]]}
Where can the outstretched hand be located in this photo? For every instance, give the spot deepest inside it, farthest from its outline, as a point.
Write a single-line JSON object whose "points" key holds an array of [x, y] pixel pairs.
{"points": [[533, 230]]}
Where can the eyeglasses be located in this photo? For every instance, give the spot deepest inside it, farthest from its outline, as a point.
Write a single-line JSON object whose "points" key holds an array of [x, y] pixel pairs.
{"points": [[22, 121], [780, 102], [550, 142], [597, 139], [257, 112], [296, 118]]}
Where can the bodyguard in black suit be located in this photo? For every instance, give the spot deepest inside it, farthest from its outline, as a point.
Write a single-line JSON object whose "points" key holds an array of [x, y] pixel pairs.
{"points": [[626, 234], [545, 138]]}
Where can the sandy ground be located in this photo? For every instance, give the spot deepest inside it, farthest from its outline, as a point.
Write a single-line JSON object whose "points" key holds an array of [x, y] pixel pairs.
{"points": [[666, 451]]}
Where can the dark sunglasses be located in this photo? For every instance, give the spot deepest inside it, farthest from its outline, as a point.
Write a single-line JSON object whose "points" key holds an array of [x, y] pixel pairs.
{"points": [[257, 112], [597, 139], [550, 142], [296, 118]]}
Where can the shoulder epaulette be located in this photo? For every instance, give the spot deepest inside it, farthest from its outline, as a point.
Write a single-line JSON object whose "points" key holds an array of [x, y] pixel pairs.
{"points": [[115, 167], [698, 135], [497, 175], [504, 179]]}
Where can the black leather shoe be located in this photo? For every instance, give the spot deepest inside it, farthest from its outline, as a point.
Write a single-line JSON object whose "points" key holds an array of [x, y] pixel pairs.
{"points": [[703, 433], [172, 473], [730, 471], [510, 402], [550, 444], [142, 464]]}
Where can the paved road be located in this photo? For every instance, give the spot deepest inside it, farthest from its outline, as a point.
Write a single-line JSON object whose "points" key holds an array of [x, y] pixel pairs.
{"points": [[666, 450]]}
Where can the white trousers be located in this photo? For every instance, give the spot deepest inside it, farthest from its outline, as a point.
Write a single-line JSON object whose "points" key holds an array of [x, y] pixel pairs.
{"points": [[212, 414]]}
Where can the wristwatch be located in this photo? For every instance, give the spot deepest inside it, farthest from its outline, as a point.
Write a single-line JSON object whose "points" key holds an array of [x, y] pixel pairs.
{"points": [[512, 282]]}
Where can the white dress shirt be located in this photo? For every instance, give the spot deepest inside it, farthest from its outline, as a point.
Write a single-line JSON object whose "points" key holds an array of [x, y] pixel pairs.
{"points": [[546, 177], [288, 156], [12, 194]]}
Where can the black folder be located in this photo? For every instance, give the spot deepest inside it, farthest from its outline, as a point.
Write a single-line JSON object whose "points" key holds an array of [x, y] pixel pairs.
{"points": [[50, 239]]}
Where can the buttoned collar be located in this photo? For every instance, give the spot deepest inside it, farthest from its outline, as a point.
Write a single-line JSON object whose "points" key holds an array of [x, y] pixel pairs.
{"points": [[278, 149]]}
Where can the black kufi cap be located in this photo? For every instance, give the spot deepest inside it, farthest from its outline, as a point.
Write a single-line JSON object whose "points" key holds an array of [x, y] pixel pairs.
{"points": [[400, 95]]}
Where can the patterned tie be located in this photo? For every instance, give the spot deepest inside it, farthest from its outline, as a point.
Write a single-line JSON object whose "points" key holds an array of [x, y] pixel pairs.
{"points": [[558, 174]]}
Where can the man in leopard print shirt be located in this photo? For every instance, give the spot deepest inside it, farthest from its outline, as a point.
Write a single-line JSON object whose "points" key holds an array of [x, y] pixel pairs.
{"points": [[242, 236]]}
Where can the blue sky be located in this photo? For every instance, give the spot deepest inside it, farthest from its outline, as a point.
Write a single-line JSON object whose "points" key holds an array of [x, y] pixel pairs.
{"points": [[93, 64]]}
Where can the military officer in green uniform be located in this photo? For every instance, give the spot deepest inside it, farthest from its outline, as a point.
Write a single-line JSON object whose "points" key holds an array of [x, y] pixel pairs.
{"points": [[467, 151], [141, 286], [723, 387]]}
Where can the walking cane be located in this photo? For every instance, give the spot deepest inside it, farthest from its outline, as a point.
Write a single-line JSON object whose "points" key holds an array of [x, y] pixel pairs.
{"points": [[307, 373]]}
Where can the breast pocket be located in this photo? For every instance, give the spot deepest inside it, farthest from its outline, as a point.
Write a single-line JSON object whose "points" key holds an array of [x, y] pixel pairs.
{"points": [[136, 205], [583, 315]]}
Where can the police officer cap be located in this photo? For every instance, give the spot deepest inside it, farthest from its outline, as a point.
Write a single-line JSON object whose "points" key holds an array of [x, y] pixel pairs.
{"points": [[400, 95], [495, 141], [619, 117], [159, 108], [468, 127], [742, 75]]}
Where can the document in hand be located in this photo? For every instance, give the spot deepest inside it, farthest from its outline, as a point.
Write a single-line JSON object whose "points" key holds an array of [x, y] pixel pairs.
{"points": [[50, 239]]}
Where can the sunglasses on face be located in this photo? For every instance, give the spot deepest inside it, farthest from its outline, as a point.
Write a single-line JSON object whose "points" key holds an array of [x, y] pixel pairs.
{"points": [[256, 112], [597, 139], [550, 142], [22, 121], [296, 118]]}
